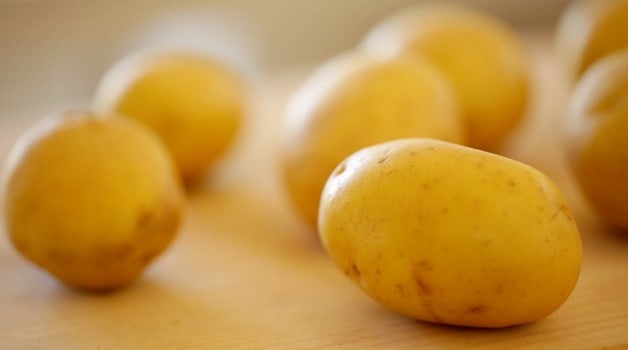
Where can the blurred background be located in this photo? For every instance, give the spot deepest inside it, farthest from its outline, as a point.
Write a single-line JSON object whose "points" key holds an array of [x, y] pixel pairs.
{"points": [[52, 53]]}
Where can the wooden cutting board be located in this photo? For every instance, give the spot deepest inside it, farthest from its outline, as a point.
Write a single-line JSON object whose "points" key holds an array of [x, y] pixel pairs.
{"points": [[244, 273]]}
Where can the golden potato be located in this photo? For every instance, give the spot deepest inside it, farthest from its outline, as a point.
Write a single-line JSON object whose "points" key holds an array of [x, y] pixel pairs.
{"points": [[353, 101], [449, 234], [481, 57], [589, 30], [194, 103], [597, 132], [91, 200]]}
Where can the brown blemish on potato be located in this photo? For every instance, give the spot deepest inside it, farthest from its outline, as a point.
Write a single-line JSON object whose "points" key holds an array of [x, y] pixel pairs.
{"points": [[499, 288], [158, 218], [401, 290], [353, 271], [475, 310], [340, 169], [565, 210], [382, 160], [512, 183], [145, 220], [425, 293], [424, 289], [426, 265]]}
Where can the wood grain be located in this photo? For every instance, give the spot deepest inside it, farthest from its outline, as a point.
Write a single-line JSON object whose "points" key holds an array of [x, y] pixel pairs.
{"points": [[245, 274]]}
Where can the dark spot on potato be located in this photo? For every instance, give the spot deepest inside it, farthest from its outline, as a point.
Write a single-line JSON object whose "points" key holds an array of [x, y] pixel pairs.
{"points": [[144, 220], [565, 210], [511, 183], [426, 301], [424, 289], [426, 265], [382, 160], [401, 290], [340, 169], [476, 310], [159, 218], [445, 210], [353, 271], [487, 243]]}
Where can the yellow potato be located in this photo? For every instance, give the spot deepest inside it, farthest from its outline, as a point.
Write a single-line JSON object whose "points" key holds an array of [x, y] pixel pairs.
{"points": [[597, 132], [482, 57], [589, 30], [91, 200], [353, 101], [450, 234], [195, 104]]}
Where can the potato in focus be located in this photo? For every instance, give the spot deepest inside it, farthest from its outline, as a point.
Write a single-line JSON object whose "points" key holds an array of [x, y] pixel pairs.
{"points": [[449, 234], [91, 200]]}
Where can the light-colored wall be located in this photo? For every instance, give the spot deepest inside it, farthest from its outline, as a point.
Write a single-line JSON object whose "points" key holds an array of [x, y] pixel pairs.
{"points": [[53, 52]]}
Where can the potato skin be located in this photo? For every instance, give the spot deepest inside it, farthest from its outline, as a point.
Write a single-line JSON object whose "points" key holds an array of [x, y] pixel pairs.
{"points": [[448, 234], [91, 200], [194, 103], [482, 57], [353, 101], [596, 133]]}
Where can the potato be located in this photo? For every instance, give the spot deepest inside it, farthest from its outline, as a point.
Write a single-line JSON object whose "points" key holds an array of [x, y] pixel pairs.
{"points": [[597, 131], [194, 103], [91, 200], [449, 234], [588, 30], [356, 100], [482, 58]]}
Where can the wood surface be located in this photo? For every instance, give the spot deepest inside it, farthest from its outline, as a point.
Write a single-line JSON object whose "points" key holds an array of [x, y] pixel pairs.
{"points": [[245, 274]]}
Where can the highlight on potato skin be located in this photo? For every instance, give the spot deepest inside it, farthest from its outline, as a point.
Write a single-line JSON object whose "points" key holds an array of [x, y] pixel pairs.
{"points": [[91, 200], [596, 136], [448, 234]]}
